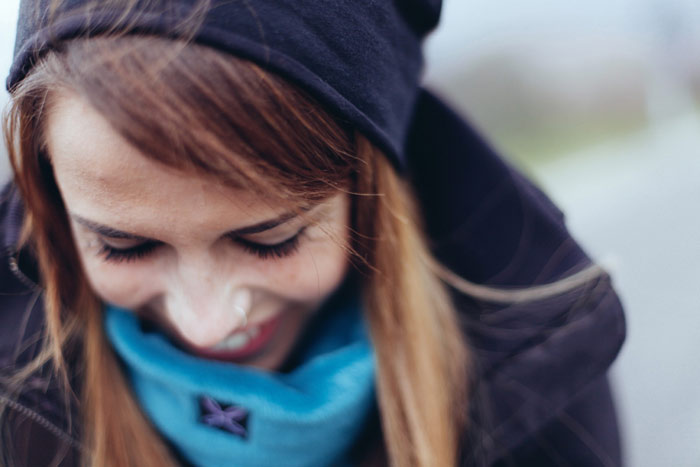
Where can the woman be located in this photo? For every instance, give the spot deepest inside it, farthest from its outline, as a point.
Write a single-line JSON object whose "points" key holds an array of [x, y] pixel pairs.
{"points": [[218, 211]]}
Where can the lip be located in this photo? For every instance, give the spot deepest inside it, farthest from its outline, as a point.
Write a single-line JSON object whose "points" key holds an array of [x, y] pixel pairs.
{"points": [[255, 345]]}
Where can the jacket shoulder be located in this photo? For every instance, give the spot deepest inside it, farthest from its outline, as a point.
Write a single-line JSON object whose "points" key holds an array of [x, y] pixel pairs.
{"points": [[537, 359], [541, 389], [37, 413], [33, 439], [21, 320]]}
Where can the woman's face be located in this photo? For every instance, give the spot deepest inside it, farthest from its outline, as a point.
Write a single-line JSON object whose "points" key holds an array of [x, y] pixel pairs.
{"points": [[186, 252]]}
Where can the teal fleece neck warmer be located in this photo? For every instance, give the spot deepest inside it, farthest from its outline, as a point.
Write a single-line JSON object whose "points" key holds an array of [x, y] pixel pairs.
{"points": [[221, 414]]}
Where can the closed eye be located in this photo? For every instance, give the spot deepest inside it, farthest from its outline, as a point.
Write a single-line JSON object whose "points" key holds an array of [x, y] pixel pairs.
{"points": [[278, 250], [117, 255]]}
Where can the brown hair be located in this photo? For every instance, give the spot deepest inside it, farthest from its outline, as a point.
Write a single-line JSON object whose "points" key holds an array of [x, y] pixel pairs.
{"points": [[193, 108]]}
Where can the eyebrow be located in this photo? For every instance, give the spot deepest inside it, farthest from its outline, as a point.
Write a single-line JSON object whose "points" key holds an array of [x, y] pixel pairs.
{"points": [[110, 232]]}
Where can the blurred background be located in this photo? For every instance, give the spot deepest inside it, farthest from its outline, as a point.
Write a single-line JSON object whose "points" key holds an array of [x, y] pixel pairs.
{"points": [[599, 102]]}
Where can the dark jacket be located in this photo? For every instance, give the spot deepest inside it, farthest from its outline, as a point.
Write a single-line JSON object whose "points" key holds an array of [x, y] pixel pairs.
{"points": [[540, 395]]}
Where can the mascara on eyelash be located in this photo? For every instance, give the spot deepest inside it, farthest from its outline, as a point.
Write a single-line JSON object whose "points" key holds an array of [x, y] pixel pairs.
{"points": [[279, 250], [117, 255]]}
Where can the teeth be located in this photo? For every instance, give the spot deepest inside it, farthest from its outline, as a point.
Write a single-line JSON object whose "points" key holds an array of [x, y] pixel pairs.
{"points": [[253, 332], [238, 340]]}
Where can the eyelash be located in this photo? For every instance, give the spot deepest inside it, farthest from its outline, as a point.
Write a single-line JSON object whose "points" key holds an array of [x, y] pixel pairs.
{"points": [[117, 255], [279, 250]]}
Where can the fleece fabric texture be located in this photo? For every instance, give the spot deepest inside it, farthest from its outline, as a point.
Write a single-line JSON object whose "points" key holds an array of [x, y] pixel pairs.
{"points": [[361, 59], [309, 416]]}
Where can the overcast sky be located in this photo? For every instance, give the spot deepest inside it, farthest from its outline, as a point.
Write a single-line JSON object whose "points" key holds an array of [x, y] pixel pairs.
{"points": [[470, 29]]}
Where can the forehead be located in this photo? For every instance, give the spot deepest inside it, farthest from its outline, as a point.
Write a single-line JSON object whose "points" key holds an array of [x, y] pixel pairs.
{"points": [[101, 176]]}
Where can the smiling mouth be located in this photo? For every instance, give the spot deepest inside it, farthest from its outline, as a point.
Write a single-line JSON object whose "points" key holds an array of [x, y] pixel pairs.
{"points": [[244, 344]]}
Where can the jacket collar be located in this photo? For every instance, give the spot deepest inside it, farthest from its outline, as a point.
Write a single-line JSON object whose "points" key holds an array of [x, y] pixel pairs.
{"points": [[20, 261], [11, 227]]}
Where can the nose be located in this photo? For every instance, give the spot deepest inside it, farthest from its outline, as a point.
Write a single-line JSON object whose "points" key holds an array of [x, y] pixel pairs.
{"points": [[204, 316]]}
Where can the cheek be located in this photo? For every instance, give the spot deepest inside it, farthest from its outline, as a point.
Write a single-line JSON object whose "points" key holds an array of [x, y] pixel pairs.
{"points": [[121, 284], [312, 274]]}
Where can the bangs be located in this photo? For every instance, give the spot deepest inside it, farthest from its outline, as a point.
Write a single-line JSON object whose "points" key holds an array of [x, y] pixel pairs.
{"points": [[193, 108]]}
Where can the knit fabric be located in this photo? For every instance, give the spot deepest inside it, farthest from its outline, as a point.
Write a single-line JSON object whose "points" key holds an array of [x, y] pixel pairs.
{"points": [[221, 414], [361, 59]]}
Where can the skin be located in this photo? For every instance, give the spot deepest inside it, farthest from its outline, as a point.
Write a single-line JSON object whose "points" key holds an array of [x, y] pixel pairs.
{"points": [[188, 283]]}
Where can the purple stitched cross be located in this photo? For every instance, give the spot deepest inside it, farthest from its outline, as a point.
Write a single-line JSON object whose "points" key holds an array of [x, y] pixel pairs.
{"points": [[229, 419]]}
